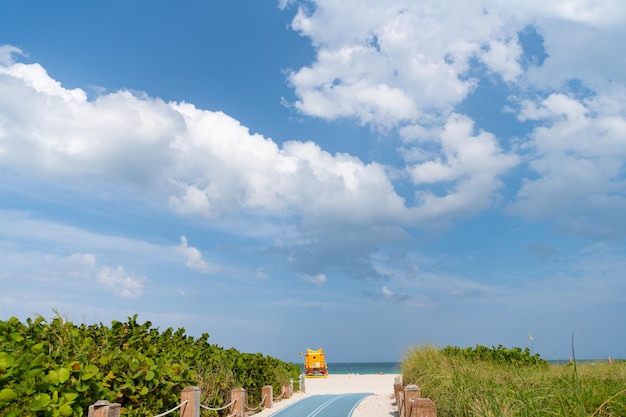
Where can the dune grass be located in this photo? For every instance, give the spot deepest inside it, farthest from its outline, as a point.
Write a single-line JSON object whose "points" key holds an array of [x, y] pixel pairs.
{"points": [[466, 386]]}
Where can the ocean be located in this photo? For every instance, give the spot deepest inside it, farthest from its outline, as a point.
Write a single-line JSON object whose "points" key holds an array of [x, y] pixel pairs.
{"points": [[369, 368], [363, 368]]}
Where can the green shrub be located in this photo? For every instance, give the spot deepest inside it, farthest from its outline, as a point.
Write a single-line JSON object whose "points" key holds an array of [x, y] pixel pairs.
{"points": [[57, 369]]}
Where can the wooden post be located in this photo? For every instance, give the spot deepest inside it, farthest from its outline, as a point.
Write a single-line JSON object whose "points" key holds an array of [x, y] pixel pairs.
{"points": [[286, 391], [239, 407], [267, 393], [397, 391], [410, 392], [423, 407], [192, 396], [103, 408]]}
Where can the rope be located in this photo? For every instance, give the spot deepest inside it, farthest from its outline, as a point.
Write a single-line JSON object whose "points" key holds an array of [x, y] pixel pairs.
{"points": [[173, 409], [258, 406], [281, 395], [217, 409]]}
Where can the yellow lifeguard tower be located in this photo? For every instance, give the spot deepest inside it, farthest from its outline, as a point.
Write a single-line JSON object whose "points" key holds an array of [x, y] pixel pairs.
{"points": [[315, 364]]}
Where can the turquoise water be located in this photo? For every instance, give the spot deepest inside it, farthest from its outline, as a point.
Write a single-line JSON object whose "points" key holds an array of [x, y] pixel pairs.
{"points": [[369, 368], [364, 368]]}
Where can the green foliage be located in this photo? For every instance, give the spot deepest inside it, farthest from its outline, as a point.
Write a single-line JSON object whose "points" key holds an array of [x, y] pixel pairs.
{"points": [[57, 369], [496, 382], [500, 354]]}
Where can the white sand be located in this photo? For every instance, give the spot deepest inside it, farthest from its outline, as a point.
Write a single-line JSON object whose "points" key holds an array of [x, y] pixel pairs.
{"points": [[381, 404]]}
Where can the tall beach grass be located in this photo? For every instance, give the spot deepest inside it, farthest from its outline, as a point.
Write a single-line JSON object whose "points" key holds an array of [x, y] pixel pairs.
{"points": [[467, 386]]}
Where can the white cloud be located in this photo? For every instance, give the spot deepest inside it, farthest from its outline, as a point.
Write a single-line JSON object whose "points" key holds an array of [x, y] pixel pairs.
{"points": [[36, 77], [589, 12], [318, 279], [578, 152], [421, 51], [503, 57], [385, 64], [194, 257], [282, 4], [222, 169], [120, 282], [204, 163], [7, 52], [471, 164], [424, 51], [395, 64]]}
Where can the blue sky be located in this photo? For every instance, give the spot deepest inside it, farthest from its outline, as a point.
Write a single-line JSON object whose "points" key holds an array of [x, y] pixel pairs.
{"points": [[359, 176]]}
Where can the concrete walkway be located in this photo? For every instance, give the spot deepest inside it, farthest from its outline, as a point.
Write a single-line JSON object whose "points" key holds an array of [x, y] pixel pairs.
{"points": [[329, 405]]}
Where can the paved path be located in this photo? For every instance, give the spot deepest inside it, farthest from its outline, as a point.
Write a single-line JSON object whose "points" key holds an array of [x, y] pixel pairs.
{"points": [[331, 405]]}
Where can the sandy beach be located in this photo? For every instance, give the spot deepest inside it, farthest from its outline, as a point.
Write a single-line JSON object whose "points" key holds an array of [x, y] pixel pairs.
{"points": [[380, 404]]}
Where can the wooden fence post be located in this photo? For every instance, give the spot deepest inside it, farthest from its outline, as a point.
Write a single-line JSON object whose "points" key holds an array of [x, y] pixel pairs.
{"points": [[423, 407], [192, 396], [286, 391], [239, 407], [410, 393], [397, 390], [400, 403], [267, 393], [103, 408]]}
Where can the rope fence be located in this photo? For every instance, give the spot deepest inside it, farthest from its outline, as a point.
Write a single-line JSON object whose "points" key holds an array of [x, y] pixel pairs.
{"points": [[258, 407], [173, 409], [408, 401], [190, 404], [219, 408], [282, 394]]}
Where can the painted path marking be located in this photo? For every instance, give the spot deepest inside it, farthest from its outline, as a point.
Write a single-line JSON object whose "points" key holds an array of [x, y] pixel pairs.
{"points": [[336, 405]]}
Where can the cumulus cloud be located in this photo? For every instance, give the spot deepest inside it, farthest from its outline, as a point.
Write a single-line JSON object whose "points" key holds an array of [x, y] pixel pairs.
{"points": [[503, 57], [407, 65], [578, 153], [124, 284], [193, 257], [401, 67], [385, 65], [202, 163], [206, 163], [404, 61], [471, 163], [36, 77]]}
